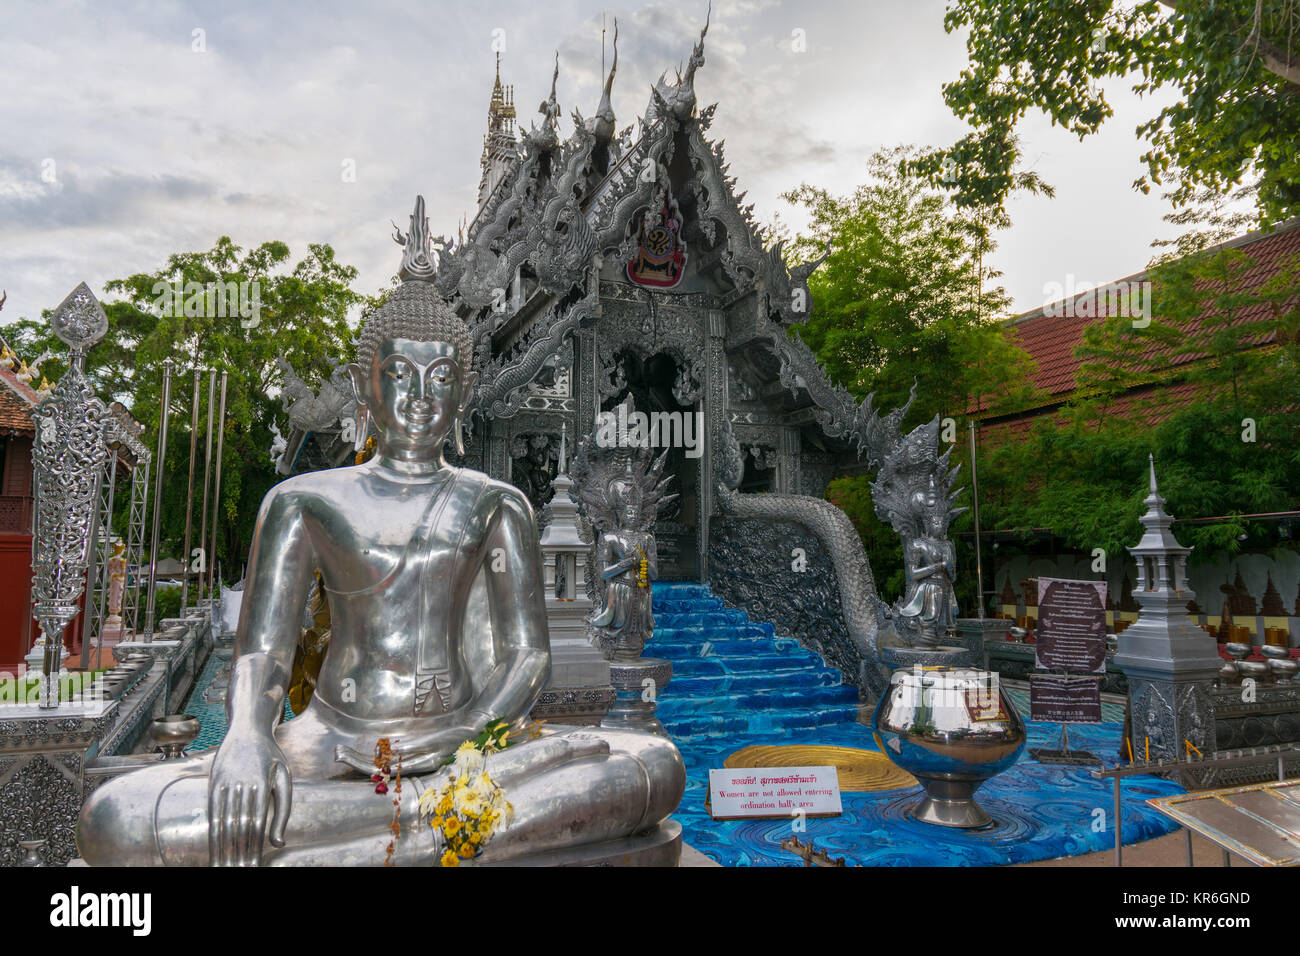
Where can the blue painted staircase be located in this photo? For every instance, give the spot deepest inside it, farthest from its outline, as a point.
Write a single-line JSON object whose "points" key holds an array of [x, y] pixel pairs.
{"points": [[733, 676]]}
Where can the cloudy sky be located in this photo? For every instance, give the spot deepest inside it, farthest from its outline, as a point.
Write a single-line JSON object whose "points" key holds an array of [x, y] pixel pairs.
{"points": [[130, 131]]}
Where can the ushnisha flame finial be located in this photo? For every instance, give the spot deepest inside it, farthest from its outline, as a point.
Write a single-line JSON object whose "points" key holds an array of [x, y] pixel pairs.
{"points": [[417, 260]]}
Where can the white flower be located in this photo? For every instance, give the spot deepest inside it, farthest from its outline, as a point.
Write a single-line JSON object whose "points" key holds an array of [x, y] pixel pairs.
{"points": [[468, 761]]}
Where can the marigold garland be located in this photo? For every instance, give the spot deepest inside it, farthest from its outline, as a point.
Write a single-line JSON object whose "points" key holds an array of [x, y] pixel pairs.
{"points": [[384, 774]]}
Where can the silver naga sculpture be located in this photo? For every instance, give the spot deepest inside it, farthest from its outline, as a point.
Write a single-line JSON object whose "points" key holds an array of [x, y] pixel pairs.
{"points": [[68, 454], [913, 491], [620, 492]]}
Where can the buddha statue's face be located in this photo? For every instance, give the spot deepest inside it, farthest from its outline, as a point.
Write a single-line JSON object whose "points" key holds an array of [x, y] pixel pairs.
{"points": [[414, 392]]}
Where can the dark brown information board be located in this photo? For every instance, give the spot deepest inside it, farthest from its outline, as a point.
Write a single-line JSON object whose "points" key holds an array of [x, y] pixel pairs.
{"points": [[1074, 699], [1071, 626]]}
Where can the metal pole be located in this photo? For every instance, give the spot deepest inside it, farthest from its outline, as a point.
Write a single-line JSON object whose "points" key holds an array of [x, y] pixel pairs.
{"points": [[1119, 838], [1188, 834], [159, 468], [975, 499], [216, 489], [207, 471], [189, 495]]}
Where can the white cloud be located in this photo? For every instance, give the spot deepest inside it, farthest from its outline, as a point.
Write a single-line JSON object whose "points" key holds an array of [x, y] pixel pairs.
{"points": [[160, 149]]}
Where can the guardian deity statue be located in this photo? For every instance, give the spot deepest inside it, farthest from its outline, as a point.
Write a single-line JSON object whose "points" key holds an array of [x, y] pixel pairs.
{"points": [[913, 492], [620, 492], [439, 629]]}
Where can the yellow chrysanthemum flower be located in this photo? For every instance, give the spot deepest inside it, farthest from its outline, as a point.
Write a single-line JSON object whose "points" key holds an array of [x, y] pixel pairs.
{"points": [[450, 858], [451, 826]]}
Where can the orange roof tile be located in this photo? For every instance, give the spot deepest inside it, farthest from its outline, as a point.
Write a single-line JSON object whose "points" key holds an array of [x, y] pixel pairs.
{"points": [[1051, 339], [17, 400]]}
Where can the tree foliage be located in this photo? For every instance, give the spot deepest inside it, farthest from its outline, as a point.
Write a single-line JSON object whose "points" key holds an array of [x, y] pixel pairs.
{"points": [[905, 295], [302, 317], [1228, 446], [1234, 63]]}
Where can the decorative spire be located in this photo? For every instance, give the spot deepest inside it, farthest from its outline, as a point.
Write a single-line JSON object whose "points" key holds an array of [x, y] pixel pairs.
{"points": [[697, 54], [564, 435], [500, 145], [1162, 560], [550, 107], [603, 125]]}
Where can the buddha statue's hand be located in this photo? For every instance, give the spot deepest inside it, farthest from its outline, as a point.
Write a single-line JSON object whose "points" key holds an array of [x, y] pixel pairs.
{"points": [[418, 752], [249, 773]]}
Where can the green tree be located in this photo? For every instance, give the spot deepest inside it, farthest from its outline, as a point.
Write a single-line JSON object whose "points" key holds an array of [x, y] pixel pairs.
{"points": [[1234, 64], [1226, 449], [300, 313], [905, 295]]}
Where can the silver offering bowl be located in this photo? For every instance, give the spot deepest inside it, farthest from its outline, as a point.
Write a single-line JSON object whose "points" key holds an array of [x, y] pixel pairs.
{"points": [[952, 729], [1238, 651], [113, 684], [1275, 653], [174, 733], [1257, 670], [1017, 633], [1228, 672], [1283, 670]]}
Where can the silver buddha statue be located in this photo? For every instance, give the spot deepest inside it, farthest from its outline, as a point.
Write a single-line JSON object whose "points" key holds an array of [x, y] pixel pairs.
{"points": [[930, 561], [434, 579]]}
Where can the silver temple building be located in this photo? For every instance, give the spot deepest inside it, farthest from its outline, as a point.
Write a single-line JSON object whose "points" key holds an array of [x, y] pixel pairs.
{"points": [[611, 263]]}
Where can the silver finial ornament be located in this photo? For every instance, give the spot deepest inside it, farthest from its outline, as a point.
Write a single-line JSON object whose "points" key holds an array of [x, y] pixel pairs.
{"points": [[68, 454], [79, 321]]}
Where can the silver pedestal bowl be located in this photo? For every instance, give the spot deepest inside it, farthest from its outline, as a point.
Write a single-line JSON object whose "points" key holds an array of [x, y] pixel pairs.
{"points": [[174, 733], [952, 729]]}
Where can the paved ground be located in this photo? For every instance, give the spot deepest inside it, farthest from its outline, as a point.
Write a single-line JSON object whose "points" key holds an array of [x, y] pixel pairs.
{"points": [[1167, 850], [693, 857]]}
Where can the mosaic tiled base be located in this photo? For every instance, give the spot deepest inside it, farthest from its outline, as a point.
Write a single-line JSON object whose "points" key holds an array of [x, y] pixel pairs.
{"points": [[737, 684], [212, 716]]}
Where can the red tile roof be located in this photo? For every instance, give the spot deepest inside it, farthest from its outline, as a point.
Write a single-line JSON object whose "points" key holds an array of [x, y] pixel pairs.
{"points": [[17, 400], [1051, 336]]}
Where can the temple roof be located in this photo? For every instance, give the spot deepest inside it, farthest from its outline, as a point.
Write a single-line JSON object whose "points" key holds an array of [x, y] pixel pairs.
{"points": [[562, 205]]}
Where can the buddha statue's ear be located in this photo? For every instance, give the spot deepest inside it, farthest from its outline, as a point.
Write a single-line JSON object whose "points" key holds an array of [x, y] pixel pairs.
{"points": [[468, 381], [362, 425]]}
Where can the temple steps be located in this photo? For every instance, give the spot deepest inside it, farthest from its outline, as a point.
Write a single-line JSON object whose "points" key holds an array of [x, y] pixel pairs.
{"points": [[736, 676]]}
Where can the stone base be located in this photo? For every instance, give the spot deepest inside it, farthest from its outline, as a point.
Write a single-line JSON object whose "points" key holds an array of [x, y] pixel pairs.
{"points": [[662, 846], [633, 682]]}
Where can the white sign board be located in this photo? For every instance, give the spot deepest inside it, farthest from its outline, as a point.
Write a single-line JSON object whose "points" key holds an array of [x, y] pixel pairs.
{"points": [[774, 792]]}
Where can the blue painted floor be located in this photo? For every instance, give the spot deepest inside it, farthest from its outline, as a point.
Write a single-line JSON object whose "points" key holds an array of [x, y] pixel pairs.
{"points": [[735, 683]]}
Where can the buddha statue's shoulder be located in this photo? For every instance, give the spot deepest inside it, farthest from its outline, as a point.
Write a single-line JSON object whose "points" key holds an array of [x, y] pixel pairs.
{"points": [[328, 488], [502, 494]]}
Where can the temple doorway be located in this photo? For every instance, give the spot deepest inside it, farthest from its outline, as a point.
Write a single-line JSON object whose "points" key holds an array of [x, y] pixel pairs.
{"points": [[659, 383]]}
